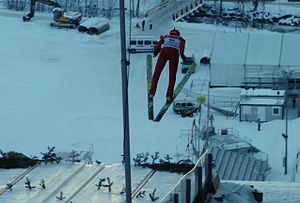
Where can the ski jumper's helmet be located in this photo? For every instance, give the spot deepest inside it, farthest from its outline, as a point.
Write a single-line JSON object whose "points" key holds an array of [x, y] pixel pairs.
{"points": [[174, 31]]}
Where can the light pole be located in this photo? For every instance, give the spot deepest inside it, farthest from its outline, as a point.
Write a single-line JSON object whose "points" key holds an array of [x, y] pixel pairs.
{"points": [[124, 64], [285, 136]]}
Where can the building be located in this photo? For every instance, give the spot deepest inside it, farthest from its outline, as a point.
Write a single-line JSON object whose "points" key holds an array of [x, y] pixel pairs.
{"points": [[265, 104]]}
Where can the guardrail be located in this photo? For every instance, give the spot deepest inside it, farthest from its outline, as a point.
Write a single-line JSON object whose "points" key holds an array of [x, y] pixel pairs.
{"points": [[183, 11], [163, 4], [182, 192]]}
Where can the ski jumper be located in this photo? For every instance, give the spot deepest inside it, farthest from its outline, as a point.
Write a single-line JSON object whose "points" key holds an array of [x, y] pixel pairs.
{"points": [[169, 47]]}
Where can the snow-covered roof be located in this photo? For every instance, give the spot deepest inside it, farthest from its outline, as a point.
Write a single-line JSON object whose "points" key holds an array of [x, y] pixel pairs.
{"points": [[262, 101], [262, 93]]}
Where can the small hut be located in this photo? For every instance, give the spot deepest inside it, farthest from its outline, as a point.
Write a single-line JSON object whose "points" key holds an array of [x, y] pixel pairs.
{"points": [[265, 104]]}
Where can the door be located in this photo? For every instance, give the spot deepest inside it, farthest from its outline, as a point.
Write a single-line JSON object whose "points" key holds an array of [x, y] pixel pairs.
{"points": [[261, 113]]}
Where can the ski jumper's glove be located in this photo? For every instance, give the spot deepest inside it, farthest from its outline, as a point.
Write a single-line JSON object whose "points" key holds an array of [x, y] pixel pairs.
{"points": [[155, 53]]}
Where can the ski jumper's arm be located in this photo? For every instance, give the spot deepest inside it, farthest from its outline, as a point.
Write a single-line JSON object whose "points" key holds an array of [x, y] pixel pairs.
{"points": [[158, 46], [182, 48]]}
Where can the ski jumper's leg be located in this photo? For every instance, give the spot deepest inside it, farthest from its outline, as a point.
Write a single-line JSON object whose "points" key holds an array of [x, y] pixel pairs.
{"points": [[173, 66], [161, 62]]}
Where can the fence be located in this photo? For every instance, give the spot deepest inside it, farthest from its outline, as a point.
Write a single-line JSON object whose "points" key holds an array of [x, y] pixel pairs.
{"points": [[182, 192], [163, 4], [183, 11]]}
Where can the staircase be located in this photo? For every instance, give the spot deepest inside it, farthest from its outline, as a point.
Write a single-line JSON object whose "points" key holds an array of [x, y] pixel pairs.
{"points": [[232, 165]]}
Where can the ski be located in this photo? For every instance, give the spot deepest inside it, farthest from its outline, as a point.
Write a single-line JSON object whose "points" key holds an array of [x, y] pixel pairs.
{"points": [[149, 78], [178, 89]]}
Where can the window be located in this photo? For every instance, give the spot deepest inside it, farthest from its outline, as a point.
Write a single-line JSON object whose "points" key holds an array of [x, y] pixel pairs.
{"points": [[147, 42], [276, 111], [189, 104], [140, 42], [132, 42]]}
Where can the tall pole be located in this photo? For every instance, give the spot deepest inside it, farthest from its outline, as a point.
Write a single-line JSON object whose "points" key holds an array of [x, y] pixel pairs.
{"points": [[286, 119], [285, 135], [124, 63], [199, 134], [285, 170]]}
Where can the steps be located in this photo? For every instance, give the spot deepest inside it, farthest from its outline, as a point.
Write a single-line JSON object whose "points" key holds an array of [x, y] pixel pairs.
{"points": [[231, 165]]}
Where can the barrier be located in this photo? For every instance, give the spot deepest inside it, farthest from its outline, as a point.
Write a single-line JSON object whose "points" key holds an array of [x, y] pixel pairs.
{"points": [[187, 9], [163, 4], [182, 191]]}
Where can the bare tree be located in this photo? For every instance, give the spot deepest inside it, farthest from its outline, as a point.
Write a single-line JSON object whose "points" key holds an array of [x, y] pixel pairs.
{"points": [[132, 11], [137, 8], [108, 6], [18, 5]]}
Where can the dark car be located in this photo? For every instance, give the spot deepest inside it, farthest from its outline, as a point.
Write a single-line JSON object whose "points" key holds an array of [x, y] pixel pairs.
{"points": [[185, 107]]}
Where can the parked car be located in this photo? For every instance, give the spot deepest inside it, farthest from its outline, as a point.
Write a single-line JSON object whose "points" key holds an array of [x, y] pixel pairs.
{"points": [[185, 107], [187, 63], [142, 44]]}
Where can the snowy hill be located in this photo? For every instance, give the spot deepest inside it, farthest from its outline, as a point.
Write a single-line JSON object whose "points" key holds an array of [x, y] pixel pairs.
{"points": [[63, 88]]}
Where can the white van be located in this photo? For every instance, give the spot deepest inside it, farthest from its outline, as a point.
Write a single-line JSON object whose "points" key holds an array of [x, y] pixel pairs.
{"points": [[142, 44]]}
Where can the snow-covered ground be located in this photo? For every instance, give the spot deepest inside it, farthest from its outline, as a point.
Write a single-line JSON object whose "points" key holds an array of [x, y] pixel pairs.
{"points": [[63, 88], [78, 183]]}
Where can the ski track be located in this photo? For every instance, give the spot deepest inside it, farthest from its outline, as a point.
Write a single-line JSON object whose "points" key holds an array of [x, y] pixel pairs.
{"points": [[83, 182], [64, 184], [18, 178], [142, 184]]}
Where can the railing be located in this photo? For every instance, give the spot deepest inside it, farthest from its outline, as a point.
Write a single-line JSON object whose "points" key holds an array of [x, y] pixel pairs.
{"points": [[183, 11], [185, 193], [230, 131], [163, 4], [224, 101]]}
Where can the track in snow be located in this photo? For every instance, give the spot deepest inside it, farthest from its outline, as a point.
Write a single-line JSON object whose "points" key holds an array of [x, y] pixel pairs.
{"points": [[84, 183], [61, 187]]}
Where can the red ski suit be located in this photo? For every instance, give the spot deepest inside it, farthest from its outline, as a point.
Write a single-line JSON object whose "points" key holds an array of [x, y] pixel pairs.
{"points": [[169, 47]]}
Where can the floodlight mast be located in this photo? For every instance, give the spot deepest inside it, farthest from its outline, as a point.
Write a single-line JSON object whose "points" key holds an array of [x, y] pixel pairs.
{"points": [[124, 64]]}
